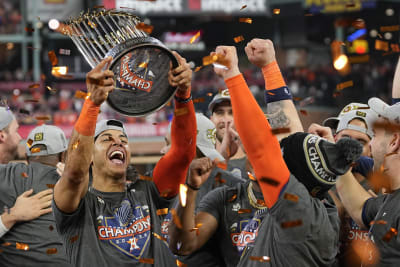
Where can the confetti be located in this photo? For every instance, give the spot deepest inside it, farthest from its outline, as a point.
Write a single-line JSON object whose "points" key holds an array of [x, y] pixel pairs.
{"points": [[260, 259], [6, 244], [336, 94], [303, 112], [35, 150], [162, 211], [307, 101], [246, 20], [296, 98], [232, 198], [51, 251], [144, 27], [276, 11], [291, 224], [43, 118], [50, 89], [61, 72], [393, 28], [379, 180], [66, 52], [99, 7], [194, 37], [34, 86], [381, 45], [27, 29], [343, 85], [222, 165], [243, 7], [378, 222], [280, 130], [395, 47], [180, 264], [358, 24], [25, 175], [29, 143], [53, 58], [147, 260], [291, 197], [219, 180], [176, 219], [21, 246], [92, 24], [251, 177], [261, 202], [143, 65], [51, 227], [76, 144], [238, 39], [73, 239], [81, 95], [269, 181], [241, 211], [50, 185], [198, 68], [207, 60], [159, 237], [180, 111], [198, 100], [389, 235], [196, 228], [182, 194], [145, 178]]}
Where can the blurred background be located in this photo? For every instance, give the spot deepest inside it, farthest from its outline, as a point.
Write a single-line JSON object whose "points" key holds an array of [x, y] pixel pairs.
{"points": [[331, 52]]}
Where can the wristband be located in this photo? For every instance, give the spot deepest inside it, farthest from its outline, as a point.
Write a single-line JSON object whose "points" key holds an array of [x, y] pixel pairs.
{"points": [[192, 187], [183, 100], [3, 229], [281, 93]]}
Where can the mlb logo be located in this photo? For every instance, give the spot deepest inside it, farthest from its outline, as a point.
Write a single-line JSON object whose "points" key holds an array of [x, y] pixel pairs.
{"points": [[38, 137]]}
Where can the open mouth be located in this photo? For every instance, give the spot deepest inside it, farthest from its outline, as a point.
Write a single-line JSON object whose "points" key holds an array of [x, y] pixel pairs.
{"points": [[117, 157]]}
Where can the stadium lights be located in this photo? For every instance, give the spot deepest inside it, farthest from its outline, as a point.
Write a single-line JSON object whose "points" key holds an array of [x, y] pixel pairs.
{"points": [[54, 24]]}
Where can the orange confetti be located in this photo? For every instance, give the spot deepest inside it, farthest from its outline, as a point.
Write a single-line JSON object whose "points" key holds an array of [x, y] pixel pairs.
{"points": [[180, 111], [291, 224], [50, 185], [61, 72], [343, 85], [76, 144], [381, 45], [198, 100], [73, 239], [194, 37], [241, 211], [29, 143], [390, 234], [238, 39], [251, 177], [218, 179], [280, 130], [182, 194], [393, 28], [159, 237], [6, 244], [295, 98], [222, 165], [144, 27], [261, 202], [162, 211], [207, 60], [50, 89], [276, 11], [209, 94], [198, 68], [269, 181], [180, 264], [51, 251], [99, 7], [260, 259], [176, 219], [34, 86], [243, 7], [303, 112], [27, 29], [147, 260], [246, 20], [143, 65], [291, 197], [35, 150], [53, 58], [270, 93], [232, 198], [80, 94], [145, 178], [21, 246], [196, 228], [42, 118], [25, 175], [378, 222]]}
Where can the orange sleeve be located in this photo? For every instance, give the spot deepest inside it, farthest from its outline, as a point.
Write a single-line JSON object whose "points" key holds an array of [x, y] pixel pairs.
{"points": [[272, 76], [171, 169], [262, 147]]}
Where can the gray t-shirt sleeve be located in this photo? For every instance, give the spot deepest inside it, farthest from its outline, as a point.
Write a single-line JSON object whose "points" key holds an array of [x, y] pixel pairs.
{"points": [[213, 203], [371, 208], [13, 182]]}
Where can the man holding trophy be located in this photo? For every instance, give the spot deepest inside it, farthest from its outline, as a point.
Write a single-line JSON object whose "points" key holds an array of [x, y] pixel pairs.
{"points": [[109, 223]]}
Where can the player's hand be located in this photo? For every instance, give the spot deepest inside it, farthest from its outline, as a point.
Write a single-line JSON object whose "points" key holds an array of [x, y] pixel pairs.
{"points": [[199, 171], [181, 76], [100, 82], [230, 141], [230, 59], [27, 207], [321, 131], [260, 52]]}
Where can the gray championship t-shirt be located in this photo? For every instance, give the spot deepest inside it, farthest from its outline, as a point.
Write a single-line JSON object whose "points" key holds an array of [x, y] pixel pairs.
{"points": [[382, 214], [238, 167], [117, 229], [39, 237], [298, 230]]}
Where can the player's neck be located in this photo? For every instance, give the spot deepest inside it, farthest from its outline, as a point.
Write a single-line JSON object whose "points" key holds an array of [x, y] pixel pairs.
{"points": [[239, 154], [391, 169], [5, 157], [105, 183]]}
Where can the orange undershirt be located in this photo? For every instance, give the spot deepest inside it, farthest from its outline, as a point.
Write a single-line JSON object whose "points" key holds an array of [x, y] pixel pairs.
{"points": [[262, 147]]}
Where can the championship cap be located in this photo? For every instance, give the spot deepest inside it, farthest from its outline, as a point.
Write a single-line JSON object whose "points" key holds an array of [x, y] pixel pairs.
{"points": [[316, 162], [350, 112], [218, 98], [392, 113], [105, 125], [6, 117], [206, 138], [50, 136]]}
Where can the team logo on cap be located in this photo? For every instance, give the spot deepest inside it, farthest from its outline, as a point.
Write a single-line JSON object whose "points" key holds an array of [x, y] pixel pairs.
{"points": [[361, 114], [225, 92], [38, 137], [211, 134]]}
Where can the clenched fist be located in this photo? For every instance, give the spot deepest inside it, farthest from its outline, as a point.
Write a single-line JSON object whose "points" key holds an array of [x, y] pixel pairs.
{"points": [[260, 52]]}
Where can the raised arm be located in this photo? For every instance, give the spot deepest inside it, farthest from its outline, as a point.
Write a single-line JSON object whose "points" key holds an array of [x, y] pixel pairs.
{"points": [[186, 236], [171, 170], [262, 147], [281, 110], [73, 184]]}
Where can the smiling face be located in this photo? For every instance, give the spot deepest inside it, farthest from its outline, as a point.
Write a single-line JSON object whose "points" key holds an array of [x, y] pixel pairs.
{"points": [[222, 114], [111, 154], [356, 135]]}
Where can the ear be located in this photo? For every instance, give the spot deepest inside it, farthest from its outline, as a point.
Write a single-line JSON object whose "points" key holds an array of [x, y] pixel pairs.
{"points": [[394, 145], [2, 136]]}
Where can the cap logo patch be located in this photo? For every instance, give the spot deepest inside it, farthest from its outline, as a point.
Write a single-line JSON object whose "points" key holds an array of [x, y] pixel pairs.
{"points": [[361, 114], [38, 137], [211, 134], [225, 92]]}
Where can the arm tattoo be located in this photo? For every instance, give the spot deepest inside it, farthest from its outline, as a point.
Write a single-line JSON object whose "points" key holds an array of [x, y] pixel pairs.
{"points": [[276, 115]]}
